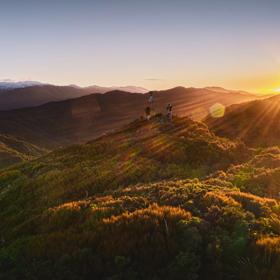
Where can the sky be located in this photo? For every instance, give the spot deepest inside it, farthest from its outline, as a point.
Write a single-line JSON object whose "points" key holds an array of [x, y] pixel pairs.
{"points": [[156, 44]]}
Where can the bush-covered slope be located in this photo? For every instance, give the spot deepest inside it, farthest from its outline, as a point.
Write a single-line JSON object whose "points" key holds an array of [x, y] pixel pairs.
{"points": [[168, 230], [147, 202], [260, 175], [141, 152], [13, 151]]}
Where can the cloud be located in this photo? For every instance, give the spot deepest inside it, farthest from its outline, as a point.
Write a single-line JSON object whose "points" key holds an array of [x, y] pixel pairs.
{"points": [[154, 79]]}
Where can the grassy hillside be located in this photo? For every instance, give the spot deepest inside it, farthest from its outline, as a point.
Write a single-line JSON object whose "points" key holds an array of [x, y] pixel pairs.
{"points": [[153, 201], [256, 123], [13, 151], [83, 119], [141, 152], [260, 175], [169, 230]]}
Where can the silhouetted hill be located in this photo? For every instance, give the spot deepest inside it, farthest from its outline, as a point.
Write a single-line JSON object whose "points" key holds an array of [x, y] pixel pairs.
{"points": [[196, 102], [79, 120], [21, 95], [140, 203], [66, 122], [256, 122], [36, 95], [99, 89]]}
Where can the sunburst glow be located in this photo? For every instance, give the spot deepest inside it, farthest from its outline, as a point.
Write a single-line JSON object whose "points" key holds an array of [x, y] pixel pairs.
{"points": [[217, 110]]}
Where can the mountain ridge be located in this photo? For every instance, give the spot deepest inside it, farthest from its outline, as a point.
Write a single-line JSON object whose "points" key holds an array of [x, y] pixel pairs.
{"points": [[36, 95], [81, 119], [32, 94]]}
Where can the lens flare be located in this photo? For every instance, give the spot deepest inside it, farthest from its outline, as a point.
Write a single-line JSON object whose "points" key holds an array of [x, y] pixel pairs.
{"points": [[217, 110]]}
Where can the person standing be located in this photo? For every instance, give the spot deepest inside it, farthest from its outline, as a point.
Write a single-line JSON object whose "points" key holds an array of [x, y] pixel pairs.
{"points": [[148, 113], [151, 98], [148, 109], [169, 111]]}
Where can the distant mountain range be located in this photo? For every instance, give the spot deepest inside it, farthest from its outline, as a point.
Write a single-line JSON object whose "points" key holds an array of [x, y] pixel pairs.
{"points": [[132, 89], [15, 95], [84, 118], [37, 95], [10, 84]]}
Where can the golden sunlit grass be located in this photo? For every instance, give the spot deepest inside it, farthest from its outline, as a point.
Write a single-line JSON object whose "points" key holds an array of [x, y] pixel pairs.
{"points": [[129, 198]]}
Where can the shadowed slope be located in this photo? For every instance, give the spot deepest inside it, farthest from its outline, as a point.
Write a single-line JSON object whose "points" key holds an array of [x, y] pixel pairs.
{"points": [[35, 95], [256, 123], [196, 102]]}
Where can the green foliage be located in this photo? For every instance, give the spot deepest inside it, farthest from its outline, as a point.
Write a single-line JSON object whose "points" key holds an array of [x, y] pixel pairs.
{"points": [[260, 175], [13, 150], [153, 201]]}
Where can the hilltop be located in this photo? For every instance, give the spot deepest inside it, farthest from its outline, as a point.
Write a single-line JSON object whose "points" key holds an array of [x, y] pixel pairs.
{"points": [[154, 200], [140, 151], [256, 122], [81, 119]]}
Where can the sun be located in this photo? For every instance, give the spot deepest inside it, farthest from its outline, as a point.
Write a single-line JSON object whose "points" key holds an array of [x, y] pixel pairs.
{"points": [[271, 90]]}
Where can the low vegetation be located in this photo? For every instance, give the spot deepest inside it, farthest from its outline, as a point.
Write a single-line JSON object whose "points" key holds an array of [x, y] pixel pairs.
{"points": [[155, 200], [13, 150]]}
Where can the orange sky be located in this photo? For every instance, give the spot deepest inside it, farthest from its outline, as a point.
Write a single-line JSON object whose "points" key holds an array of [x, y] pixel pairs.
{"points": [[156, 44]]}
